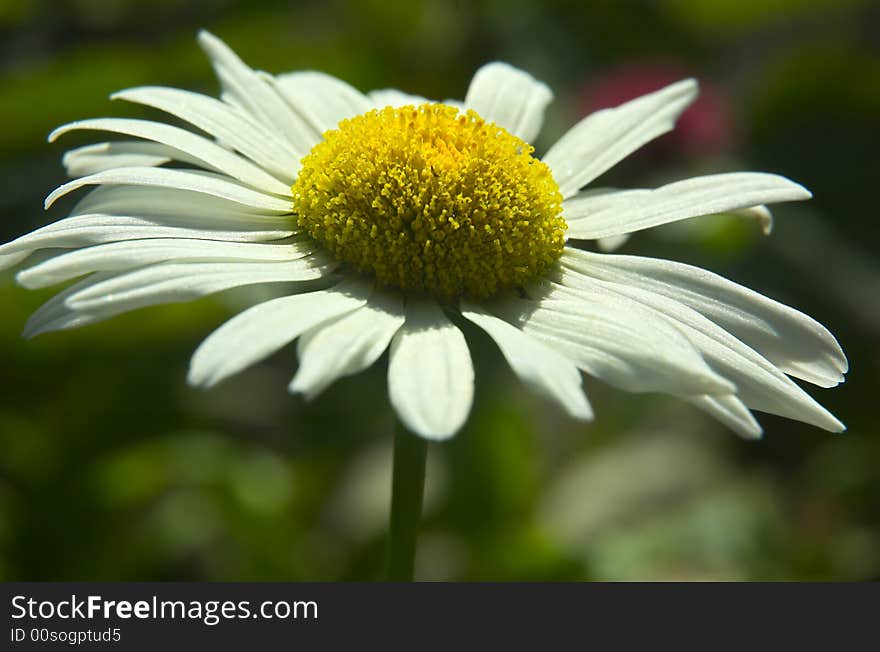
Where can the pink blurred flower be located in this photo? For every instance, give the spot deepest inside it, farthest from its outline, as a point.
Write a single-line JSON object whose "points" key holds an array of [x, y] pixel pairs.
{"points": [[706, 128]]}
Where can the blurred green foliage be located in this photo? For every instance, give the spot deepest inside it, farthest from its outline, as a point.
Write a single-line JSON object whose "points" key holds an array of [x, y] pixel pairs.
{"points": [[111, 468]]}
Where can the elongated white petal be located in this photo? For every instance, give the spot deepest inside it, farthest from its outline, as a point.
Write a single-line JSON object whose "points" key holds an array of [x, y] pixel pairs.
{"points": [[174, 282], [150, 201], [56, 315], [538, 365], [611, 214], [121, 212], [12, 259], [348, 345], [89, 159], [797, 344], [248, 91], [92, 229], [119, 256], [253, 92], [192, 146], [392, 97], [227, 124], [759, 383], [258, 332], [730, 411], [510, 98], [322, 100], [616, 340], [430, 375], [603, 139], [214, 186]]}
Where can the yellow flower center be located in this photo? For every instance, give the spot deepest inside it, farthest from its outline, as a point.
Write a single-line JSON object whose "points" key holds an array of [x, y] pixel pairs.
{"points": [[429, 199]]}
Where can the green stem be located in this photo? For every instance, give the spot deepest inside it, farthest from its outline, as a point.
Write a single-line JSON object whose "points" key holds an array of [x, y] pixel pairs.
{"points": [[407, 488]]}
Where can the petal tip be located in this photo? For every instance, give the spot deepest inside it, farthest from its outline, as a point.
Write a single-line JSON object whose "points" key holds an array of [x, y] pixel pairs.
{"points": [[298, 386], [54, 134], [196, 377], [25, 280]]}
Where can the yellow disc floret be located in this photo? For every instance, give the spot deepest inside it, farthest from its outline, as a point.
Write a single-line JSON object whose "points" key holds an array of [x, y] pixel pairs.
{"points": [[431, 199]]}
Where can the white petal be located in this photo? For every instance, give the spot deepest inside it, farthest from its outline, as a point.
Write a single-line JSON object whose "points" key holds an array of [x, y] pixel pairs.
{"points": [[395, 98], [730, 411], [92, 229], [214, 186], [761, 214], [616, 340], [617, 213], [55, 315], [258, 332], [348, 345], [602, 139], [151, 207], [253, 92], [175, 282], [797, 344], [758, 382], [612, 242], [430, 375], [12, 259], [192, 146], [510, 98], [158, 201], [538, 365], [119, 256], [322, 100], [89, 159], [224, 122]]}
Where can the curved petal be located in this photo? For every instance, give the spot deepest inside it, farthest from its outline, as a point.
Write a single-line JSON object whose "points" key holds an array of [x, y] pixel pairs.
{"points": [[797, 344], [56, 315], [617, 213], [538, 365], [430, 375], [13, 259], [761, 214], [229, 125], [258, 332], [192, 146], [175, 282], [88, 229], [616, 340], [730, 411], [509, 97], [759, 384], [98, 157], [603, 139], [214, 186], [253, 92], [322, 100], [129, 254], [348, 345], [170, 202]]}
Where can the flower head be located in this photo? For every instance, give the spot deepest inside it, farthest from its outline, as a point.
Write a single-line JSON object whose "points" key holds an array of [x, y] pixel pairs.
{"points": [[411, 214], [427, 198]]}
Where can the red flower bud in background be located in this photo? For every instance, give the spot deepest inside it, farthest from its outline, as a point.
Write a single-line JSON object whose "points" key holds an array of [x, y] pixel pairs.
{"points": [[705, 129]]}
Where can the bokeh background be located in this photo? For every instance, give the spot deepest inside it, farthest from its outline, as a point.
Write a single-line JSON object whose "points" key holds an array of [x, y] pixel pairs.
{"points": [[111, 468]]}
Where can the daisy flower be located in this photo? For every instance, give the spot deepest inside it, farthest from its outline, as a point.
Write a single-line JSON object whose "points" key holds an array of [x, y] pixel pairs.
{"points": [[391, 218]]}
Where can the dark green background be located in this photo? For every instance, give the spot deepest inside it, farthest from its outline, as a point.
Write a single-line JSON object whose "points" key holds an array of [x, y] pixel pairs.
{"points": [[111, 468]]}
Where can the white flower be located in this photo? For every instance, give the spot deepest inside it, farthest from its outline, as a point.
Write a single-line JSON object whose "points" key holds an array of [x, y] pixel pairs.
{"points": [[409, 218]]}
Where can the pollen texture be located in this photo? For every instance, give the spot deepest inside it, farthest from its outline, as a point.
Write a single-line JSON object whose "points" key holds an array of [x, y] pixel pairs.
{"points": [[431, 199]]}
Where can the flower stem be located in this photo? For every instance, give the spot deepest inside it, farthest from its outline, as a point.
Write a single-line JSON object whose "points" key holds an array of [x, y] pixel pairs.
{"points": [[407, 488]]}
